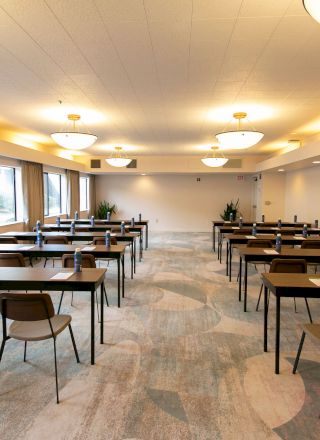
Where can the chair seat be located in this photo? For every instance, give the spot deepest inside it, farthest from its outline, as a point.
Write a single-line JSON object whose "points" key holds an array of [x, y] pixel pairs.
{"points": [[312, 330], [38, 330]]}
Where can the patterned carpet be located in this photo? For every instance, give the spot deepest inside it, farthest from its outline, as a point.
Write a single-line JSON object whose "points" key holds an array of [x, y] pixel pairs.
{"points": [[181, 361]]}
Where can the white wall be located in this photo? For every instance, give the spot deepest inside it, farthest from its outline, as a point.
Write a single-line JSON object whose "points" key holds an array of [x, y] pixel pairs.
{"points": [[272, 193], [175, 202], [302, 194]]}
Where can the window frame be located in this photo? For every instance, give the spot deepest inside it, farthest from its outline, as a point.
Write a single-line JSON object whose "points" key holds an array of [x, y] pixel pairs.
{"points": [[14, 193], [86, 192], [46, 175]]}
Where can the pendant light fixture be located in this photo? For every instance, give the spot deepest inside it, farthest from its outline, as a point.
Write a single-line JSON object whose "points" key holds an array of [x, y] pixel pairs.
{"points": [[118, 158], [313, 8], [239, 139], [70, 137], [214, 159]]}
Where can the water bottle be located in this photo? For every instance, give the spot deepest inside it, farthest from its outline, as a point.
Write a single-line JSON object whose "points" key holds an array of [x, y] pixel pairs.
{"points": [[123, 228], [278, 243], [140, 217], [231, 217], [132, 222], [39, 238], [38, 225], [240, 222], [305, 231], [254, 229], [279, 223], [77, 260], [92, 220], [73, 228], [108, 238], [262, 218], [76, 215], [108, 216], [295, 219], [316, 224], [58, 221]]}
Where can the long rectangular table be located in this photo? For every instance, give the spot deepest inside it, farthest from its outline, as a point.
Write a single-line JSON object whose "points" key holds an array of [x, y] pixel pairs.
{"points": [[81, 236], [57, 250], [248, 254], [27, 278], [284, 285]]}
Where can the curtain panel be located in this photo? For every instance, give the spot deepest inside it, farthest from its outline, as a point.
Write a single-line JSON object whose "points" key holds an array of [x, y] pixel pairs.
{"points": [[92, 195], [32, 190], [73, 192]]}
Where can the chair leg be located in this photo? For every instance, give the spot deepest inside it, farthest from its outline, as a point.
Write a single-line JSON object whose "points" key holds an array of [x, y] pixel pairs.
{"points": [[260, 293], [105, 295], [25, 351], [74, 343], [3, 343], [72, 298], [308, 309], [295, 305], [60, 302], [30, 261], [45, 262], [299, 352], [55, 367]]}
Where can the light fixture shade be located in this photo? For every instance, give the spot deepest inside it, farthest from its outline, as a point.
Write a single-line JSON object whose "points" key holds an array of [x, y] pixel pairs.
{"points": [[211, 159], [118, 158], [313, 8], [239, 139], [73, 139]]}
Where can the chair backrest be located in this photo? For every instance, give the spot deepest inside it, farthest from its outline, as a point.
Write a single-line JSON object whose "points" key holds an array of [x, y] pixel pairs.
{"points": [[259, 243], [26, 306], [8, 240], [285, 265], [282, 232], [56, 239], [87, 260], [310, 244], [13, 259], [242, 231], [101, 240]]}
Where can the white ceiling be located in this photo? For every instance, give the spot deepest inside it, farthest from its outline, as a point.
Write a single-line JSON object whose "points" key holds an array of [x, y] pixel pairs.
{"points": [[160, 76]]}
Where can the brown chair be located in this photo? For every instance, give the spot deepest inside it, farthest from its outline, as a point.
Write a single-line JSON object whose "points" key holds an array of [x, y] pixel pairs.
{"points": [[54, 239], [87, 261], [286, 265], [101, 241], [258, 243], [33, 320], [311, 244], [242, 232], [13, 259], [314, 331], [8, 240]]}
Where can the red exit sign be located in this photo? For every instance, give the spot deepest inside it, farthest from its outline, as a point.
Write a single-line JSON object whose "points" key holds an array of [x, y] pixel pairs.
{"points": [[240, 178]]}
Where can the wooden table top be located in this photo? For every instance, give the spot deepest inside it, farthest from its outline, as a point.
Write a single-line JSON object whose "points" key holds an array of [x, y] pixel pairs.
{"points": [[245, 251], [60, 249], [284, 282], [269, 229], [101, 227], [80, 235], [267, 224], [115, 222], [238, 238]]}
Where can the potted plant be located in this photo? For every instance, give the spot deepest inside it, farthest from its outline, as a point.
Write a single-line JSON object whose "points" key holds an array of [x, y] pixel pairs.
{"points": [[103, 207], [231, 208]]}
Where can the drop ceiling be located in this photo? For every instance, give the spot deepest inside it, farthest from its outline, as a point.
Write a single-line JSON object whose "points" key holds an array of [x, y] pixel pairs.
{"points": [[160, 76]]}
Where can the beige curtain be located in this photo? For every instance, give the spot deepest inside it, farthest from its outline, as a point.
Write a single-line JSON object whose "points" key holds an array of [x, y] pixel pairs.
{"points": [[32, 190], [73, 192], [92, 195]]}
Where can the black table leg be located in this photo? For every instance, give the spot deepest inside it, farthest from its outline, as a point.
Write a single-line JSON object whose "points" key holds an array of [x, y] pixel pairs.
{"points": [[245, 285], [240, 276], [265, 327], [218, 244], [118, 264], [230, 261], [214, 238], [140, 246], [147, 236], [102, 307], [277, 334], [227, 259], [134, 255], [131, 256], [122, 263], [92, 326]]}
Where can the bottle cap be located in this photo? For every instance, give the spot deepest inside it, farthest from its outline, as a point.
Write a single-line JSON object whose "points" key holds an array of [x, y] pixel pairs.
{"points": [[78, 250], [278, 235]]}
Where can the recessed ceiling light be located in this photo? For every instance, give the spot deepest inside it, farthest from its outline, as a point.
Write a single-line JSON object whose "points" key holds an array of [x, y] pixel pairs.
{"points": [[280, 169], [143, 174], [316, 161]]}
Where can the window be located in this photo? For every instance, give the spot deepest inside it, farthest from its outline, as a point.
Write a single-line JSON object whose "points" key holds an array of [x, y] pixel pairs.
{"points": [[84, 193], [52, 194], [7, 195]]}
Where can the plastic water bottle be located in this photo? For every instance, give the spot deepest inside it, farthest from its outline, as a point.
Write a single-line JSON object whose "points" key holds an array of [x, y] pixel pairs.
{"points": [[92, 220], [108, 238], [77, 260], [76, 215], [132, 222], [231, 217], [240, 222], [58, 221], [278, 243], [108, 216], [316, 224], [254, 229], [262, 218], [39, 238], [140, 217], [279, 223], [123, 228], [38, 225], [73, 228], [305, 231], [295, 219]]}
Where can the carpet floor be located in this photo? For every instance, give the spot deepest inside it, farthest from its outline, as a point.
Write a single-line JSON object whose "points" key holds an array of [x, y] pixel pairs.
{"points": [[181, 361]]}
